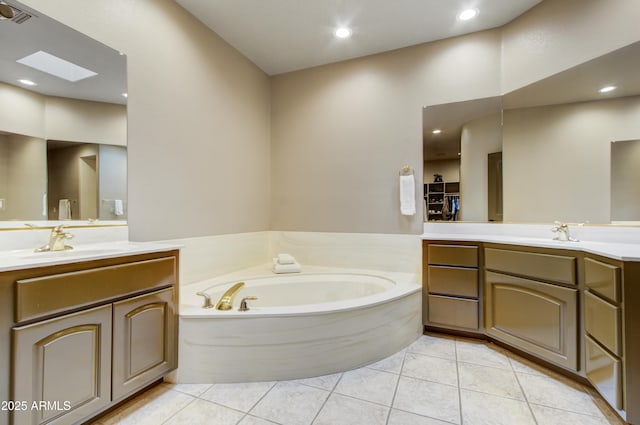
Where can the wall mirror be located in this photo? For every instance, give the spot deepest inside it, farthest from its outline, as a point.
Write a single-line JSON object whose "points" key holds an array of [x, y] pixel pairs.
{"points": [[62, 123], [455, 138], [556, 144]]}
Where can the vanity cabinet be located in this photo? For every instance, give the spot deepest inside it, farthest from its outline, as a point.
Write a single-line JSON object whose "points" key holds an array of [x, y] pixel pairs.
{"points": [[144, 337], [578, 311], [532, 303], [63, 362], [86, 335], [451, 283], [604, 361]]}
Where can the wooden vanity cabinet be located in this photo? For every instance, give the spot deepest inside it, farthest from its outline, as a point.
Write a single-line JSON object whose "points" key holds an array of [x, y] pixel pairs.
{"points": [[612, 326], [451, 293], [531, 302], [86, 335]]}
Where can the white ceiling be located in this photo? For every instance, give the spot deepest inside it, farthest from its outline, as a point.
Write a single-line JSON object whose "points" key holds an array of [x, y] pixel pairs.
{"points": [[286, 35]]}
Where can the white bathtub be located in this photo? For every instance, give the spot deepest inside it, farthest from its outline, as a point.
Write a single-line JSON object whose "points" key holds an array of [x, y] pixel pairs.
{"points": [[302, 325]]}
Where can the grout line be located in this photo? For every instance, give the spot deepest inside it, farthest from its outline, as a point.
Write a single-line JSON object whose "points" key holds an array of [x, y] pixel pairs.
{"points": [[524, 394], [181, 409], [455, 351], [395, 391]]}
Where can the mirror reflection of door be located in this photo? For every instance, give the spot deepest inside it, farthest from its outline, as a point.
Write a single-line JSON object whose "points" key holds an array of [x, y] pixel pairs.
{"points": [[88, 184], [86, 181], [494, 189]]}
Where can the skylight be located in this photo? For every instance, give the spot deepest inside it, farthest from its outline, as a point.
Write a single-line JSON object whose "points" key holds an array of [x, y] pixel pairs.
{"points": [[53, 65]]}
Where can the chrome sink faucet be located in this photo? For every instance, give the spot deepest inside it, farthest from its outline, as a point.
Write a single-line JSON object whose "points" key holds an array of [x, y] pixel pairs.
{"points": [[562, 229], [57, 240]]}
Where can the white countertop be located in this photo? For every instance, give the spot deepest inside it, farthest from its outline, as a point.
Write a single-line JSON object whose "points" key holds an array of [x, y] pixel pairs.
{"points": [[616, 250], [26, 258]]}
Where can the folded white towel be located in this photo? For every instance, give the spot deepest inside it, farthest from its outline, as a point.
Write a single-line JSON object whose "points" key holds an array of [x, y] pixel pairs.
{"points": [[118, 207], [64, 209], [285, 259], [286, 268], [407, 195]]}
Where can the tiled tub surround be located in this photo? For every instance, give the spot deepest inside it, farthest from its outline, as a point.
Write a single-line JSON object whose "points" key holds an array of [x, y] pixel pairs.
{"points": [[289, 341], [437, 380]]}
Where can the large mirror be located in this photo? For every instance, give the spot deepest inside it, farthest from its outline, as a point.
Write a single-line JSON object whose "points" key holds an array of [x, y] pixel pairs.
{"points": [[63, 123], [557, 156]]}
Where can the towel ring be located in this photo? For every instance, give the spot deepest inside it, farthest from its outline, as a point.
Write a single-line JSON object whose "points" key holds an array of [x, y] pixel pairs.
{"points": [[406, 170]]}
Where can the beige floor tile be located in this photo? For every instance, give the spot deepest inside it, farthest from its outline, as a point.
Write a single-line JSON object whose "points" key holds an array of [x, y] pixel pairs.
{"points": [[487, 409], [237, 396], [490, 380], [391, 364], [435, 346], [398, 417], [546, 391], [342, 410], [550, 416], [150, 408], [251, 420], [481, 353], [290, 403], [202, 412], [325, 382], [367, 384], [430, 368], [191, 389], [429, 399]]}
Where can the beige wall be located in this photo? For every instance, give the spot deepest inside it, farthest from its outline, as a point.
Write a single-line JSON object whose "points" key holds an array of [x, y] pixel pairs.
{"points": [[25, 168], [449, 168], [82, 121], [559, 34], [625, 180], [21, 111], [198, 119], [557, 159], [57, 118], [479, 138], [341, 132]]}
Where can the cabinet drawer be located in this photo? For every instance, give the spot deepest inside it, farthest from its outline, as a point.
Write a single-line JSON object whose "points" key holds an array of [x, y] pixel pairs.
{"points": [[453, 255], [555, 268], [456, 312], [603, 279], [453, 281], [48, 295], [604, 371], [602, 322]]}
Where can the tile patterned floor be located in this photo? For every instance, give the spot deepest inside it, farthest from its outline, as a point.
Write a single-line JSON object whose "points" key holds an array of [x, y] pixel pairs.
{"points": [[437, 380]]}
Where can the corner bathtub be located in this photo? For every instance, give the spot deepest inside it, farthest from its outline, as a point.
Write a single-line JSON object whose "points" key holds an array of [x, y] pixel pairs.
{"points": [[302, 325]]}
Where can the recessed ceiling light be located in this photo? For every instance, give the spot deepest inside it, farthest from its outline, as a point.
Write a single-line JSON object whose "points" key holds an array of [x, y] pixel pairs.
{"points": [[27, 82], [467, 14], [607, 89], [125, 94], [342, 32], [53, 65], [436, 131]]}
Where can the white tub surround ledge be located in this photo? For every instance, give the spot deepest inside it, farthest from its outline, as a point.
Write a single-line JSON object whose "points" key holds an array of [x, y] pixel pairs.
{"points": [[620, 243]]}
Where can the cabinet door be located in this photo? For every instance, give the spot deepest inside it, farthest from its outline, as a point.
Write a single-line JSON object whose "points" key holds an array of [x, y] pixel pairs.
{"points": [[63, 366], [536, 317], [144, 341]]}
